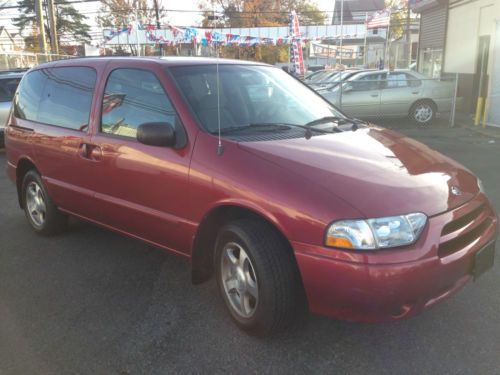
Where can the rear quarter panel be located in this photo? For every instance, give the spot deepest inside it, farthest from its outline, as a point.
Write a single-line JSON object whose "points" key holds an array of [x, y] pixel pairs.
{"points": [[441, 93], [18, 144]]}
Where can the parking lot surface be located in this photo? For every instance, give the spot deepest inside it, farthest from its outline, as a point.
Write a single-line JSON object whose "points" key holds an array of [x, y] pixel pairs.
{"points": [[92, 301]]}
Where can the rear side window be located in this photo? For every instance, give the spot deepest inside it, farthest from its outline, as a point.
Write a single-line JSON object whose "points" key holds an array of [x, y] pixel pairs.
{"points": [[367, 83], [56, 96], [29, 94], [133, 97], [8, 88], [67, 97]]}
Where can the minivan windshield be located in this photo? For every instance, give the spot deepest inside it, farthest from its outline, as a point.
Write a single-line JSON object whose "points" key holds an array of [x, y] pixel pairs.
{"points": [[248, 94]]}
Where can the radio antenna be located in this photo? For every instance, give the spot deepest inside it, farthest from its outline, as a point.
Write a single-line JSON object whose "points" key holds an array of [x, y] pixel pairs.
{"points": [[220, 147]]}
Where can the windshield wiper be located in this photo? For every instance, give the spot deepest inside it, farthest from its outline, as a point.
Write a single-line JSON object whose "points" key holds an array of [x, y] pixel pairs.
{"points": [[324, 120], [271, 126]]}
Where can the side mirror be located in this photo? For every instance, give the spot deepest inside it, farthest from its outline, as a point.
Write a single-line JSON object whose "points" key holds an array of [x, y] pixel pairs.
{"points": [[156, 134]]}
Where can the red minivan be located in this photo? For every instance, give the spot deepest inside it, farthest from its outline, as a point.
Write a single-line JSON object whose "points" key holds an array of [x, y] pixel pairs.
{"points": [[255, 179]]}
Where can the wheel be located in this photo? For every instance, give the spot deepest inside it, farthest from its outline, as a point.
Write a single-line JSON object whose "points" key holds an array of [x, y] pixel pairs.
{"points": [[258, 278], [42, 213], [423, 112]]}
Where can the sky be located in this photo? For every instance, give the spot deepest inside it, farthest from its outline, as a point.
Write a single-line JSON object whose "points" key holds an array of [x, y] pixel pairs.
{"points": [[175, 18]]}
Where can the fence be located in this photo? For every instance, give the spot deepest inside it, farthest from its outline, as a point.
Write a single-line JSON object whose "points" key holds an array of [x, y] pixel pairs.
{"points": [[15, 60], [399, 98]]}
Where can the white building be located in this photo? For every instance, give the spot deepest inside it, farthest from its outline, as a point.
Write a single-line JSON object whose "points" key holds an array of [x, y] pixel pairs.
{"points": [[472, 49], [8, 43]]}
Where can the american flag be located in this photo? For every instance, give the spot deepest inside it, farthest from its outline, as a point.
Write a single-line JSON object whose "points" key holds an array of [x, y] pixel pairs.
{"points": [[379, 19]]}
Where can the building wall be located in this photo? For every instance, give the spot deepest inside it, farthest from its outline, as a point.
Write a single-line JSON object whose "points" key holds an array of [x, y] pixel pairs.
{"points": [[468, 20], [493, 102]]}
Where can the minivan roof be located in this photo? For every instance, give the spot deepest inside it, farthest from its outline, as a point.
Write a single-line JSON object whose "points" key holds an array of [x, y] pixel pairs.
{"points": [[165, 60]]}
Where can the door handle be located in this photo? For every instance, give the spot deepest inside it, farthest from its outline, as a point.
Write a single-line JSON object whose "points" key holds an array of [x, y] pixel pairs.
{"points": [[90, 152], [415, 92], [374, 95]]}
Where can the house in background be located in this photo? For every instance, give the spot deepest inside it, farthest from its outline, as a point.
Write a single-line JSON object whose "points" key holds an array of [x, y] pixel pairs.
{"points": [[11, 48], [354, 12], [10, 42]]}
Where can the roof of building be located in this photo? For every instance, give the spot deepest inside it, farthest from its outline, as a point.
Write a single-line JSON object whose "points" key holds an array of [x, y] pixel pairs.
{"points": [[354, 11], [359, 5]]}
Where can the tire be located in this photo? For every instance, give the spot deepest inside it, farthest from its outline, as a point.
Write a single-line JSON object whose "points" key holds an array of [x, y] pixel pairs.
{"points": [[423, 112], [273, 296], [40, 210]]}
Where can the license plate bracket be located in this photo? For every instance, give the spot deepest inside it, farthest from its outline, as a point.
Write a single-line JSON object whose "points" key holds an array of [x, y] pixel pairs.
{"points": [[484, 260]]}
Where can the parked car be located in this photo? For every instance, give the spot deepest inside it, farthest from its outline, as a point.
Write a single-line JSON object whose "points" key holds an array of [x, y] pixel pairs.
{"points": [[8, 85], [392, 94], [255, 179], [318, 75], [330, 81]]}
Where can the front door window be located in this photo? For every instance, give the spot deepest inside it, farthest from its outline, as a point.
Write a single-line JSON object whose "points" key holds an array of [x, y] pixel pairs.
{"points": [[133, 97]]}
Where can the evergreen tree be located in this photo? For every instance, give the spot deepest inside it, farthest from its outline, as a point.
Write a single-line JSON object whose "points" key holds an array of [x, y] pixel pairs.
{"points": [[70, 23]]}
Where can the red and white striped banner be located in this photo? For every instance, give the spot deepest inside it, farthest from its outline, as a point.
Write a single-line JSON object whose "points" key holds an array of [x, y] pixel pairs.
{"points": [[296, 58]]}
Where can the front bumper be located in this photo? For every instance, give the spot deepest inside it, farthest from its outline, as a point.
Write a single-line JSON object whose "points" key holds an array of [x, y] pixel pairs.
{"points": [[384, 286]]}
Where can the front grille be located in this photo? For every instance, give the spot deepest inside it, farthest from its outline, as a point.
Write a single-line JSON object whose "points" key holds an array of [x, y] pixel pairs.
{"points": [[462, 221], [468, 227]]}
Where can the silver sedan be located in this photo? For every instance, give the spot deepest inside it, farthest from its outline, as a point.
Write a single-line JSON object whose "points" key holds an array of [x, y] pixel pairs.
{"points": [[8, 86], [386, 94]]}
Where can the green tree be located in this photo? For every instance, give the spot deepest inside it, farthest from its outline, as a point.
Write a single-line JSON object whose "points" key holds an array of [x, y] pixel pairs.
{"points": [[113, 13], [71, 24], [398, 19], [255, 13], [259, 13]]}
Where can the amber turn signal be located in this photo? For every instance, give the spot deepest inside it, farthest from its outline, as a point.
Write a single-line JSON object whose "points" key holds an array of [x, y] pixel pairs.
{"points": [[338, 242]]}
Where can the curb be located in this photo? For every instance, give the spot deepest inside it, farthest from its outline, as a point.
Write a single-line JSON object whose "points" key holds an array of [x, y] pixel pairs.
{"points": [[479, 129]]}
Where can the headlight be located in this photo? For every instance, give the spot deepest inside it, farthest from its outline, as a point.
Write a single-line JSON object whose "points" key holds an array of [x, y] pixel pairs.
{"points": [[480, 186], [375, 234]]}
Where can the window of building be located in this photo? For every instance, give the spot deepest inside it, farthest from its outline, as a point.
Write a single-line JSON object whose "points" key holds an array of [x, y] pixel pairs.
{"points": [[431, 62]]}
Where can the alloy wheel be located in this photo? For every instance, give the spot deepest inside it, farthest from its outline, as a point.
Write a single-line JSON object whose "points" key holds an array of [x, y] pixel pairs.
{"points": [[423, 113], [35, 203], [239, 280]]}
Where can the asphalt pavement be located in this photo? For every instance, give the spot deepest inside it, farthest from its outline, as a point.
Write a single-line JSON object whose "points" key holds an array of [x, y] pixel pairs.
{"points": [[94, 302]]}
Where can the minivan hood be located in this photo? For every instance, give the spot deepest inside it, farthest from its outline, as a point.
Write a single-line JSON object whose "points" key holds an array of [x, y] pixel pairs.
{"points": [[378, 171]]}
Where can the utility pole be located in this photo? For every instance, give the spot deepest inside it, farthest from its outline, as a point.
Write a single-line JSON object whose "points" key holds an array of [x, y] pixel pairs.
{"points": [[53, 27], [138, 45], [41, 26], [408, 35], [341, 29], [157, 15]]}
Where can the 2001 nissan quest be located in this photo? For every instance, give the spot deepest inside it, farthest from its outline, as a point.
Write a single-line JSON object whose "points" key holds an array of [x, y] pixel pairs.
{"points": [[253, 177]]}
